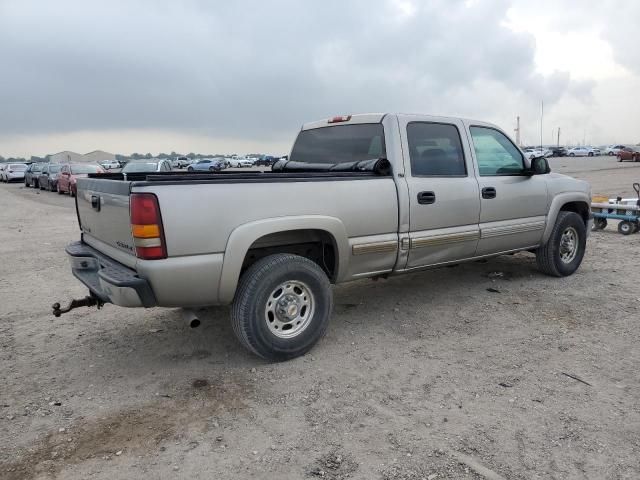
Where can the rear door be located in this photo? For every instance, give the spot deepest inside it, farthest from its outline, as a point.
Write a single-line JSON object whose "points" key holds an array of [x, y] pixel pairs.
{"points": [[513, 205], [444, 202]]}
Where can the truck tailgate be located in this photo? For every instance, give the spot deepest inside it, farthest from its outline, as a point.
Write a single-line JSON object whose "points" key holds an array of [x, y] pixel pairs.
{"points": [[103, 213]]}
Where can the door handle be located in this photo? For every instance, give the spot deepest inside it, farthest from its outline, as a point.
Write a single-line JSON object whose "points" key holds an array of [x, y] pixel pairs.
{"points": [[488, 192], [95, 202], [426, 198]]}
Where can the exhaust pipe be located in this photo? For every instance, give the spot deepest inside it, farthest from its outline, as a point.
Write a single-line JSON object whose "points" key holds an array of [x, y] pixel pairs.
{"points": [[191, 317]]}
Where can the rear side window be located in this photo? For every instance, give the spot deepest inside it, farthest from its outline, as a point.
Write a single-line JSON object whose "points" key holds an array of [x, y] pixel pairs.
{"points": [[496, 154], [340, 144], [435, 150]]}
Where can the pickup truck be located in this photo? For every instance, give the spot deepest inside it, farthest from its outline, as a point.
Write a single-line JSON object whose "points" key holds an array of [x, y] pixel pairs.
{"points": [[359, 196]]}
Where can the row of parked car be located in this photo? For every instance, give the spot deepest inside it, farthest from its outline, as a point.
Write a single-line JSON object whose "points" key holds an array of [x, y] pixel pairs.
{"points": [[623, 152], [53, 177]]}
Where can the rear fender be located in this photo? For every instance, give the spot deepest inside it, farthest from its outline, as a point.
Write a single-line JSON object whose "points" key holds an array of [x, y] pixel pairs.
{"points": [[245, 235]]}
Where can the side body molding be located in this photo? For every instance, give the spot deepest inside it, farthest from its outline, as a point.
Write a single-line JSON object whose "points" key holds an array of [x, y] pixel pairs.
{"points": [[558, 201], [245, 235]]}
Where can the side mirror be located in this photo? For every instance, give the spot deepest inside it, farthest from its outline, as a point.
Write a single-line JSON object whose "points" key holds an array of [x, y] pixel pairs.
{"points": [[539, 166]]}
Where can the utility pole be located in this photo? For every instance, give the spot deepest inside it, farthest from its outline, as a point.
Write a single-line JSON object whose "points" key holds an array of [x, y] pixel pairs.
{"points": [[558, 144], [517, 130], [541, 118]]}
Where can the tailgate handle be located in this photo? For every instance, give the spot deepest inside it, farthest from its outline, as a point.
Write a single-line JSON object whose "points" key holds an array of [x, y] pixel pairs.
{"points": [[95, 202]]}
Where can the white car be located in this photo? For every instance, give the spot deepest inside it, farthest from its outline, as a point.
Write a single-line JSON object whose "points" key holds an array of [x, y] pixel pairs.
{"points": [[147, 166], [10, 172], [583, 152], [612, 150], [239, 162], [109, 164], [537, 152]]}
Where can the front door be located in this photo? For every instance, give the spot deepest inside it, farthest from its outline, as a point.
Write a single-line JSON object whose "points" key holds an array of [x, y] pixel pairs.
{"points": [[513, 205], [443, 192]]}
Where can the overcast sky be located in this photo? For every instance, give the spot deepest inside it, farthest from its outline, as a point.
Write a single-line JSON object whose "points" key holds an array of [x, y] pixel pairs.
{"points": [[242, 76]]}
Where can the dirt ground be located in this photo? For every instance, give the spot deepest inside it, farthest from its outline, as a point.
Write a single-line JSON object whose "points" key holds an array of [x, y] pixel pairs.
{"points": [[425, 376]]}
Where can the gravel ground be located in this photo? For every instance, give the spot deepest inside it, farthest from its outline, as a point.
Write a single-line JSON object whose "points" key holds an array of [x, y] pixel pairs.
{"points": [[425, 376]]}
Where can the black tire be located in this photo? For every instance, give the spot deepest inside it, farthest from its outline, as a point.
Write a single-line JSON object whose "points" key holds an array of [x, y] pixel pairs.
{"points": [[636, 227], [572, 154], [190, 169], [258, 285], [591, 154], [625, 227], [212, 169], [610, 154], [599, 223], [26, 184], [548, 256]]}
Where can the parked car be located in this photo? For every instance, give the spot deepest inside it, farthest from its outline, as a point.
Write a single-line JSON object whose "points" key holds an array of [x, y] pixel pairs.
{"points": [[240, 162], [531, 152], [48, 178], [583, 152], [612, 150], [449, 190], [10, 172], [629, 154], [206, 165], [71, 172], [558, 151], [266, 160], [32, 173], [110, 164], [147, 165], [180, 162]]}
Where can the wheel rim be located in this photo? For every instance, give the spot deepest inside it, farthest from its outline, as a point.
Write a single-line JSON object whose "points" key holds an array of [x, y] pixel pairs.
{"points": [[568, 245], [625, 227], [289, 309]]}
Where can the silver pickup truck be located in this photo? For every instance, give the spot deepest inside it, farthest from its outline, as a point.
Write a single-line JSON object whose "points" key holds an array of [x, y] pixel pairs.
{"points": [[359, 196]]}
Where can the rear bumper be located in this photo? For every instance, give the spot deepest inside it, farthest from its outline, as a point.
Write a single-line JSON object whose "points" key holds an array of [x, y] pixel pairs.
{"points": [[107, 279]]}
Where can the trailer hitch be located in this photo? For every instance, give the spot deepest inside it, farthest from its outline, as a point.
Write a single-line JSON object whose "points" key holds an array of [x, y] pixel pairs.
{"points": [[88, 301]]}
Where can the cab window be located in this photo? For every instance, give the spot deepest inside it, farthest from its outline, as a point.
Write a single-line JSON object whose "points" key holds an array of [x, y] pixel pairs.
{"points": [[435, 150], [495, 153]]}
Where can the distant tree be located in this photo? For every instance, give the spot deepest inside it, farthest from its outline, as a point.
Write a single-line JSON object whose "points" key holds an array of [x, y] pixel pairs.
{"points": [[120, 158], [163, 155], [1, 158], [148, 155], [174, 154], [191, 155], [37, 159]]}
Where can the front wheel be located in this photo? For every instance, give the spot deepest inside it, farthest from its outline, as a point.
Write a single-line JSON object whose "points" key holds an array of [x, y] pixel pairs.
{"points": [[599, 224], [591, 154], [562, 254], [190, 169], [572, 154], [282, 306]]}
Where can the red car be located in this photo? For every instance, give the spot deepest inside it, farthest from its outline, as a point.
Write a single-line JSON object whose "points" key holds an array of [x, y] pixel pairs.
{"points": [[629, 153], [69, 174]]}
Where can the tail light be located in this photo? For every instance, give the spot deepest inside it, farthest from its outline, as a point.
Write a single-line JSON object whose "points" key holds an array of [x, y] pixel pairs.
{"points": [[342, 118], [146, 227]]}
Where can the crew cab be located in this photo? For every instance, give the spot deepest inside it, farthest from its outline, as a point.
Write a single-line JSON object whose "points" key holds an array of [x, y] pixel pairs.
{"points": [[360, 196]]}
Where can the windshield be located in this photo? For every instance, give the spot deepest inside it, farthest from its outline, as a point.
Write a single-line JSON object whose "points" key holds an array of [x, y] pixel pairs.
{"points": [[340, 144], [80, 169], [133, 167], [54, 168], [17, 168]]}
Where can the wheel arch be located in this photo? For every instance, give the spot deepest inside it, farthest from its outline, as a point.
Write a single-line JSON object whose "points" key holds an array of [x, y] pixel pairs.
{"points": [[568, 202], [281, 235]]}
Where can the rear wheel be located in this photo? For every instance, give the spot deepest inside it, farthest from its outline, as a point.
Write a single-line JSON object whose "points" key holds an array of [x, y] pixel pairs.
{"points": [[625, 227], [591, 154], [190, 169], [562, 254], [572, 154], [282, 306]]}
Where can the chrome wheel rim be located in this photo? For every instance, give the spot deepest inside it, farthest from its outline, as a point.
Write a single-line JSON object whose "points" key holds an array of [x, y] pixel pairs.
{"points": [[289, 309], [568, 245]]}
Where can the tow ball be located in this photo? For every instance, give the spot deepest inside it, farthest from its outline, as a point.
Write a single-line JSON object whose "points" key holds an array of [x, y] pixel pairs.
{"points": [[88, 301]]}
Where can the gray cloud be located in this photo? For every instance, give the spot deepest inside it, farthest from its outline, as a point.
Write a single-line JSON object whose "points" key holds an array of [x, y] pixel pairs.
{"points": [[256, 68]]}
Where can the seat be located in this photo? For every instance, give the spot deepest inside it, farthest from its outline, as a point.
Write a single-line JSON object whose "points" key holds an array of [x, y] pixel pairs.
{"points": [[435, 161]]}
